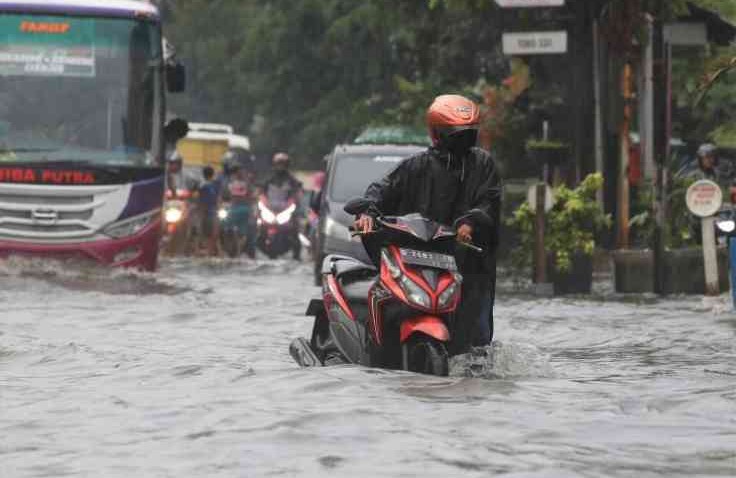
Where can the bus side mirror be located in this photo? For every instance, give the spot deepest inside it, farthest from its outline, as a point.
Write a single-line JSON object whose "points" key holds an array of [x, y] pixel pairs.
{"points": [[175, 130], [176, 77]]}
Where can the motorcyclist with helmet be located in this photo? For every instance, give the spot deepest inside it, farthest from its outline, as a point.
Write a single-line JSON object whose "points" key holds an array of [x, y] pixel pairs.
{"points": [[281, 187], [448, 184], [710, 166]]}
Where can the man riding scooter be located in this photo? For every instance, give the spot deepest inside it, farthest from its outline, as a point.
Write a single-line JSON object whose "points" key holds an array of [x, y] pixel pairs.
{"points": [[279, 210], [445, 184], [238, 223]]}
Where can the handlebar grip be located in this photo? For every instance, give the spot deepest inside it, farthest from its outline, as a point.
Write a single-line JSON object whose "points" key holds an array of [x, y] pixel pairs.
{"points": [[472, 247]]}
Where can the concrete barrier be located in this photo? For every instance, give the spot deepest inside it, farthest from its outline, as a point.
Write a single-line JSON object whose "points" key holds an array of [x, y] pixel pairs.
{"points": [[684, 271]]}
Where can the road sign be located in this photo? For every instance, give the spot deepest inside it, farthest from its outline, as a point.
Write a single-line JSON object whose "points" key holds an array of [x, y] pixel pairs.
{"points": [[529, 3], [531, 197], [704, 198], [535, 43]]}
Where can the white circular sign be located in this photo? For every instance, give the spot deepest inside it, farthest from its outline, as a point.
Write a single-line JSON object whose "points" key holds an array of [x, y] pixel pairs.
{"points": [[704, 198], [531, 197]]}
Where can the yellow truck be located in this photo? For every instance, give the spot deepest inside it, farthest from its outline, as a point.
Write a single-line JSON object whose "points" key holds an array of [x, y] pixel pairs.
{"points": [[207, 143]]}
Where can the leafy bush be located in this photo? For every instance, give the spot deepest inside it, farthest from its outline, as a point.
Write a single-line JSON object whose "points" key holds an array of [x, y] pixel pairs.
{"points": [[572, 225]]}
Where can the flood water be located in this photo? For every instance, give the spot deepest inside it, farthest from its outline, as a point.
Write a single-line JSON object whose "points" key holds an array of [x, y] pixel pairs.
{"points": [[186, 373]]}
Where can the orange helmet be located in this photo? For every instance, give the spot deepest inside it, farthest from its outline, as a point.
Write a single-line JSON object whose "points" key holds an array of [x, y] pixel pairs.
{"points": [[451, 114]]}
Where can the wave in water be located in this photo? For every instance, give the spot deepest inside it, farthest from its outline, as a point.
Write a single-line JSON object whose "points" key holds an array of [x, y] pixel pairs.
{"points": [[88, 277], [502, 360]]}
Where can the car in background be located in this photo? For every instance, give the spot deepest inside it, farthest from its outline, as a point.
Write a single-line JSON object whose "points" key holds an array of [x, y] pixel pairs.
{"points": [[350, 170]]}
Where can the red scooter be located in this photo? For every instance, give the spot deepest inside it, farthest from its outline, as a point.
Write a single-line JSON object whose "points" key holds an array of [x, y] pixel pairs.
{"points": [[396, 316]]}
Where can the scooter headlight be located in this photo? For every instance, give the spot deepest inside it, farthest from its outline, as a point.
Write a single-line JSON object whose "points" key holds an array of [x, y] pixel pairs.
{"points": [[266, 214], [391, 265], [727, 226], [449, 295], [413, 292], [285, 216], [173, 215], [223, 213]]}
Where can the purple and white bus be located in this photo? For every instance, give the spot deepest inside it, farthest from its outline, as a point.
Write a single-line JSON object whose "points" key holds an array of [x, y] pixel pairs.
{"points": [[82, 108]]}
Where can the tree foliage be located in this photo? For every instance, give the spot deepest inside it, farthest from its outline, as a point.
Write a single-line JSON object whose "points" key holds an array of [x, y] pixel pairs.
{"points": [[305, 75]]}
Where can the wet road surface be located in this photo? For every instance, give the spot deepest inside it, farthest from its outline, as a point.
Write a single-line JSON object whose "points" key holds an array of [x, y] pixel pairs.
{"points": [[186, 373]]}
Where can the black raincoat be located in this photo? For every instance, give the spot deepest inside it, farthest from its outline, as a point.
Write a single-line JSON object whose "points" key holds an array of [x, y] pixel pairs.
{"points": [[446, 190]]}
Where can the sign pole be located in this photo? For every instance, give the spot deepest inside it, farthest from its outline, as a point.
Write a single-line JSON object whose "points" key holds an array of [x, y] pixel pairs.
{"points": [[541, 201], [710, 256], [541, 251], [704, 198]]}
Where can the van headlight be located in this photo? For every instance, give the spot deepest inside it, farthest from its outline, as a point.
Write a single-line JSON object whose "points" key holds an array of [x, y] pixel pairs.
{"points": [[130, 227], [336, 230]]}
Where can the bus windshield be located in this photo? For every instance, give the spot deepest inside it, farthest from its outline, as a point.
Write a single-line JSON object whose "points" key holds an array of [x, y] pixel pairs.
{"points": [[79, 89]]}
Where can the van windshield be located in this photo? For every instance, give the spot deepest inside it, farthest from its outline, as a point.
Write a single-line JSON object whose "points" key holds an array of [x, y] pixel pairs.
{"points": [[353, 174]]}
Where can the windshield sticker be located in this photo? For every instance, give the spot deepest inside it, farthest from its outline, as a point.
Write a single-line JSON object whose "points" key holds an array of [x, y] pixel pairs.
{"points": [[388, 159], [45, 27], [45, 46]]}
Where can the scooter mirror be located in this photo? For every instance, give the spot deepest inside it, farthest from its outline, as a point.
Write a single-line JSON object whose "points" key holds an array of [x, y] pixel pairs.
{"points": [[357, 206]]}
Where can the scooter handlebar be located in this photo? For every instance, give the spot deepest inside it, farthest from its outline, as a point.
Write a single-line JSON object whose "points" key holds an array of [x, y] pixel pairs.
{"points": [[471, 246]]}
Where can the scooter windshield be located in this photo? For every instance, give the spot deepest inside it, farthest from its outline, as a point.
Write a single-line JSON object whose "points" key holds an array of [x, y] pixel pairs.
{"points": [[420, 227]]}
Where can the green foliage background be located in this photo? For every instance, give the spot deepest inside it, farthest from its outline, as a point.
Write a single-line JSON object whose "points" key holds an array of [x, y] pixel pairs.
{"points": [[302, 75]]}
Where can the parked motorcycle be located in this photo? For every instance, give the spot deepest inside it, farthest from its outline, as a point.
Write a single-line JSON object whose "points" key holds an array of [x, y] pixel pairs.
{"points": [[725, 224], [277, 228], [397, 315]]}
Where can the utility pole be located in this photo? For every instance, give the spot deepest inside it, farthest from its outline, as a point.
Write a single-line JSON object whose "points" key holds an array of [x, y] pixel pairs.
{"points": [[660, 148], [623, 209]]}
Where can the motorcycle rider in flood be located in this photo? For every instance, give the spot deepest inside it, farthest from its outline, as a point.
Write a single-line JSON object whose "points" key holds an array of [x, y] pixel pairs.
{"points": [[710, 167], [280, 188], [446, 183], [240, 192]]}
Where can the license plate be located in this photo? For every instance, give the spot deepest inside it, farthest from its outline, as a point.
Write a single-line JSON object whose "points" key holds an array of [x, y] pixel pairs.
{"points": [[428, 259]]}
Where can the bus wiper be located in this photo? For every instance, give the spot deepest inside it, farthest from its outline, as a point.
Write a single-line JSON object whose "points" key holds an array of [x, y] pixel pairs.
{"points": [[27, 150]]}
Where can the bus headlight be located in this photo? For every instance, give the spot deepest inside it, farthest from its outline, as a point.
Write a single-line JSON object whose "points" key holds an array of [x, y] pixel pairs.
{"points": [[130, 227]]}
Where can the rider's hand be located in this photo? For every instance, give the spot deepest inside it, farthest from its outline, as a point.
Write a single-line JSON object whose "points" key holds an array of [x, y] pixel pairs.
{"points": [[465, 233], [364, 224]]}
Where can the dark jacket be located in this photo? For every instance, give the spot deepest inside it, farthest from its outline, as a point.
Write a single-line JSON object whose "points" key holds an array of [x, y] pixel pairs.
{"points": [[281, 186], [446, 190]]}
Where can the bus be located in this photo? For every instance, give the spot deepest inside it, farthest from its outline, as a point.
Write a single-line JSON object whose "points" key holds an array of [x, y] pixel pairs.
{"points": [[82, 143]]}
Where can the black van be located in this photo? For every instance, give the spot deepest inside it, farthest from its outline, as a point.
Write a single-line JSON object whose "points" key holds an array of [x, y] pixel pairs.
{"points": [[350, 170]]}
